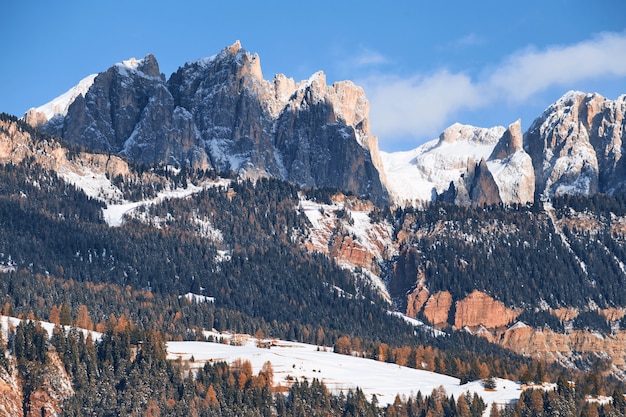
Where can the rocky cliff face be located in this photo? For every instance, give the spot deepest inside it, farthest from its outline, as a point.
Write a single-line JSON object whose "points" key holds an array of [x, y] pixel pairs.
{"points": [[477, 309], [53, 388], [221, 113], [480, 314], [345, 231], [512, 167], [18, 144], [476, 187], [576, 145]]}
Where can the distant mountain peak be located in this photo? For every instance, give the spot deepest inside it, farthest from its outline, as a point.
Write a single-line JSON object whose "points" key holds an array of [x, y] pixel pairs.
{"points": [[148, 66], [59, 106], [234, 48]]}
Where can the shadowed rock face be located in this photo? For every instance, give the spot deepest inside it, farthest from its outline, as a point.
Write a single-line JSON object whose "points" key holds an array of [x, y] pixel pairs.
{"points": [[221, 113], [483, 190], [477, 188]]}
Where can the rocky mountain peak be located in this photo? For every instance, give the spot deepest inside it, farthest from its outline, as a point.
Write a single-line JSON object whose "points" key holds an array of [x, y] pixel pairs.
{"points": [[467, 133], [149, 66], [146, 67], [220, 112], [234, 48], [577, 145], [512, 141]]}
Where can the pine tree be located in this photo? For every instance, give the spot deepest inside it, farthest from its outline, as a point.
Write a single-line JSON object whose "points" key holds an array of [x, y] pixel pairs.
{"points": [[65, 316]]}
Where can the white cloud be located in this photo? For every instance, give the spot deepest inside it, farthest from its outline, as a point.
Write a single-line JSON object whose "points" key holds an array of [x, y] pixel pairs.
{"points": [[417, 105], [422, 106], [471, 39], [531, 72], [369, 57]]}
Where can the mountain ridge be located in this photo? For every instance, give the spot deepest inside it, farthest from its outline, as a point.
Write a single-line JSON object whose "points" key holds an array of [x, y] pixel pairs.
{"points": [[220, 112]]}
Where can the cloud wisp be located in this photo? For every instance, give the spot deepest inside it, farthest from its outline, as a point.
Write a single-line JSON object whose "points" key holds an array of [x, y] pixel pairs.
{"points": [[420, 105]]}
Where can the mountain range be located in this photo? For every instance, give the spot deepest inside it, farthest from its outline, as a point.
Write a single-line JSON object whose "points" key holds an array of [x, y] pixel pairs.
{"points": [[272, 199], [221, 113]]}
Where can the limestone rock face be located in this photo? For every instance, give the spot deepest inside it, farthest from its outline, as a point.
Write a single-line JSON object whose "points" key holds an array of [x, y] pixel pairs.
{"points": [[438, 307], [415, 301], [507, 176], [11, 395], [18, 144], [483, 190], [323, 137], [577, 144], [549, 345], [477, 187], [512, 167], [54, 387], [479, 309], [344, 231], [221, 113]]}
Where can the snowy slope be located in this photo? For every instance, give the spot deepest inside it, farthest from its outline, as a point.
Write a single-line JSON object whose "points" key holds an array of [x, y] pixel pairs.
{"points": [[369, 243], [59, 105], [339, 372], [291, 360], [7, 322], [417, 175]]}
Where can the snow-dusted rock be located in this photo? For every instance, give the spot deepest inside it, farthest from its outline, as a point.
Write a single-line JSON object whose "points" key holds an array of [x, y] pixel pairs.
{"points": [[220, 112], [512, 167], [576, 145], [425, 172]]}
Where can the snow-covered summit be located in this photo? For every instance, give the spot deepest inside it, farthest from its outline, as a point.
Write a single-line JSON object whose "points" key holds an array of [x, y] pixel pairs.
{"points": [[419, 174], [60, 104], [146, 67]]}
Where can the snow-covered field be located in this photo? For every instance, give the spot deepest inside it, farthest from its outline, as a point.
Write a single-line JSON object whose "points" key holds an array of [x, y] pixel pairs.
{"points": [[292, 360]]}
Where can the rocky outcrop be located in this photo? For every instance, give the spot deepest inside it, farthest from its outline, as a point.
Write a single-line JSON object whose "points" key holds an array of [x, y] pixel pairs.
{"points": [[576, 145], [345, 231], [221, 113], [476, 187], [512, 141], [565, 313], [415, 301], [323, 134], [11, 395], [482, 189], [53, 388], [479, 309], [549, 345], [437, 308], [512, 167], [18, 143]]}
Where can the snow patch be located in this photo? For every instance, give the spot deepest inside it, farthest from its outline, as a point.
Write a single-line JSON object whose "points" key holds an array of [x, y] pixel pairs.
{"points": [[197, 298], [114, 213], [7, 322]]}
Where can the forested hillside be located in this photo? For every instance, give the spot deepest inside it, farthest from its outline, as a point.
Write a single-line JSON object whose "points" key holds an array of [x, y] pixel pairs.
{"points": [[242, 244]]}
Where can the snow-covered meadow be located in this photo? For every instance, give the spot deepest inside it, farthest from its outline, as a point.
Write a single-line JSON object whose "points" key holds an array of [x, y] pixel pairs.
{"points": [[300, 361]]}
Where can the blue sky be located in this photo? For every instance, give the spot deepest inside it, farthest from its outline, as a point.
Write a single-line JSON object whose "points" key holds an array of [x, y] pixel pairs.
{"points": [[423, 65]]}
